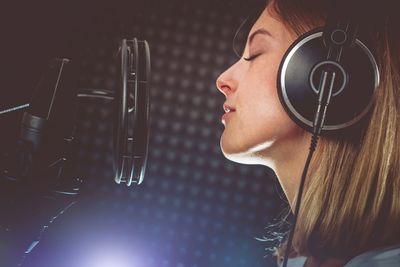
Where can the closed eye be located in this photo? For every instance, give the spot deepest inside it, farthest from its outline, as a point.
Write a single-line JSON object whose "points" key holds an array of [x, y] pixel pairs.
{"points": [[250, 58]]}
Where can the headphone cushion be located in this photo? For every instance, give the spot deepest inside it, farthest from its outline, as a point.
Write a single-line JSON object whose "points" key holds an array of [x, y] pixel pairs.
{"points": [[299, 76]]}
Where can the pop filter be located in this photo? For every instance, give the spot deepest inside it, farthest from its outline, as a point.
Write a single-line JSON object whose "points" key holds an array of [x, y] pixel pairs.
{"points": [[132, 113]]}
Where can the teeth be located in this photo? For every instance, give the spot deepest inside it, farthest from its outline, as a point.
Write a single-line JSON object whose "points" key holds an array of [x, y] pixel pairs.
{"points": [[227, 109]]}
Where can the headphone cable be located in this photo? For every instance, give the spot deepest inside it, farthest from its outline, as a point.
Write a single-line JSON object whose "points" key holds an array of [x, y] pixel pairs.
{"points": [[324, 96]]}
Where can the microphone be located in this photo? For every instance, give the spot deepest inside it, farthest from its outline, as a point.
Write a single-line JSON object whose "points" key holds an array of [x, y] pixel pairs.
{"points": [[37, 182], [48, 122], [51, 91], [39, 160]]}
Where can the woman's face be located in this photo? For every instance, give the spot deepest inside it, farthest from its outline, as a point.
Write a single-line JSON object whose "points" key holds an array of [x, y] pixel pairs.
{"points": [[258, 130]]}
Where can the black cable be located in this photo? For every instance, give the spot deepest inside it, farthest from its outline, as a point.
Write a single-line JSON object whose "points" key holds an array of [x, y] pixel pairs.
{"points": [[324, 96], [43, 231]]}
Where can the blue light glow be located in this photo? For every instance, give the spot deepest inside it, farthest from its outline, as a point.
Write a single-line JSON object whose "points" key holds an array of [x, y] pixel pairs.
{"points": [[110, 257]]}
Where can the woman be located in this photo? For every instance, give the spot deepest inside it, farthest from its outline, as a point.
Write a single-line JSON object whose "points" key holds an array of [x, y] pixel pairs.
{"points": [[350, 211]]}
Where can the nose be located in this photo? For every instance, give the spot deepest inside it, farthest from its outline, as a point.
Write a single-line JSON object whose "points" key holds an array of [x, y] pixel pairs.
{"points": [[225, 83]]}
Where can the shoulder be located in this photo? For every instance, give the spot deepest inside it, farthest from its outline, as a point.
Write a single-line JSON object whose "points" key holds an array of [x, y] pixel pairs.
{"points": [[298, 261], [385, 257]]}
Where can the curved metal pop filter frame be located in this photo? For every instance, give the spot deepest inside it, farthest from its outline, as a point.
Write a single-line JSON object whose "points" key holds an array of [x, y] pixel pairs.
{"points": [[132, 111]]}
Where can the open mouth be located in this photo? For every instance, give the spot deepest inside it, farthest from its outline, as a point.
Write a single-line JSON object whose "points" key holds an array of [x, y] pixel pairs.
{"points": [[228, 108], [226, 116]]}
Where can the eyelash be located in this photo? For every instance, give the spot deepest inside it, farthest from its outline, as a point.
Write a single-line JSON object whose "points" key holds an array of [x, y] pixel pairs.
{"points": [[250, 58]]}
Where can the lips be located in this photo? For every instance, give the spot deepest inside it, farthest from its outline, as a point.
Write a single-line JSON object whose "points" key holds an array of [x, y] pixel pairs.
{"points": [[228, 108]]}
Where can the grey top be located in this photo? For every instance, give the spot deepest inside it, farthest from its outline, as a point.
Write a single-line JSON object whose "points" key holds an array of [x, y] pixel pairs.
{"points": [[384, 257]]}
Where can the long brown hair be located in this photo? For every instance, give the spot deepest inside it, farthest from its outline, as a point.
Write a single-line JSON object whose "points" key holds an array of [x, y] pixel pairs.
{"points": [[352, 200]]}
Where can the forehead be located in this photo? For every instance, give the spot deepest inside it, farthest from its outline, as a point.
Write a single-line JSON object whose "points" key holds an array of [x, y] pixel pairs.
{"points": [[270, 20]]}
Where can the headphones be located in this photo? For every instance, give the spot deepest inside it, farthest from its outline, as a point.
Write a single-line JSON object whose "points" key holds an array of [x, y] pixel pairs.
{"points": [[337, 49], [329, 66]]}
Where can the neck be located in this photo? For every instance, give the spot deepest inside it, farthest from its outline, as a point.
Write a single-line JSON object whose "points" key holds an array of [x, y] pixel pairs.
{"points": [[288, 163]]}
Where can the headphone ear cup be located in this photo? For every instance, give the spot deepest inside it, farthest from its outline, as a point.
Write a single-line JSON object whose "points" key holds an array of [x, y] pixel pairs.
{"points": [[299, 77]]}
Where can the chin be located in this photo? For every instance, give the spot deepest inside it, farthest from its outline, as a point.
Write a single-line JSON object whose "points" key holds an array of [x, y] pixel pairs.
{"points": [[240, 153]]}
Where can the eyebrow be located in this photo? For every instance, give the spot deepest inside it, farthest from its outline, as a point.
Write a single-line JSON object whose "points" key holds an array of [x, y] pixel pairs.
{"points": [[259, 31]]}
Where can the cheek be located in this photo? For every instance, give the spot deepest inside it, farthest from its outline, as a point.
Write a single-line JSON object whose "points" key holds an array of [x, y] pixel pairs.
{"points": [[260, 101], [264, 118], [261, 119], [263, 97]]}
